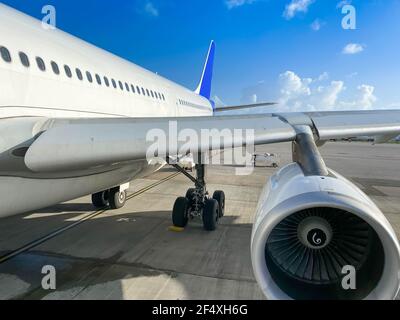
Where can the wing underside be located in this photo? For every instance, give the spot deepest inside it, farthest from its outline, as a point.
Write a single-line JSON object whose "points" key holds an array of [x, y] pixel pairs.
{"points": [[69, 144]]}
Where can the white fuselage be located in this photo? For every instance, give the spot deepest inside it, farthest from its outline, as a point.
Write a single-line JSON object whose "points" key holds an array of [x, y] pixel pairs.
{"points": [[29, 91], [48, 74]]}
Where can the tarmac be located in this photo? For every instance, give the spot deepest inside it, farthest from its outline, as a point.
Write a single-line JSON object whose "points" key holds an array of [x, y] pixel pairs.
{"points": [[130, 253]]}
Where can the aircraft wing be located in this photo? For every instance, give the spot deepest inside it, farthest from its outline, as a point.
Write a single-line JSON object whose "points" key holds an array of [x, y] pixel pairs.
{"points": [[244, 106], [336, 125], [70, 144]]}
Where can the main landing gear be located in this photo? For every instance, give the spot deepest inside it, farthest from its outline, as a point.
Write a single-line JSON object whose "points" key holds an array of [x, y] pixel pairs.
{"points": [[115, 198], [197, 202]]}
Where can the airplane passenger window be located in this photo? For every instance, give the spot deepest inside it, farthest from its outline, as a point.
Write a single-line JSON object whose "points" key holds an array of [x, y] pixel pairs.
{"points": [[143, 92], [68, 71], [121, 85], [133, 88], [24, 59], [163, 97], [40, 64], [55, 68], [89, 76], [138, 89], [106, 81], [98, 79], [79, 74], [152, 94], [148, 93], [5, 54], [114, 83], [127, 87]]}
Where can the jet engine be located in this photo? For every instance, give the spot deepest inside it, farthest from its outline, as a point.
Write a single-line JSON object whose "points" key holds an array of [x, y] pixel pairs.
{"points": [[309, 231]]}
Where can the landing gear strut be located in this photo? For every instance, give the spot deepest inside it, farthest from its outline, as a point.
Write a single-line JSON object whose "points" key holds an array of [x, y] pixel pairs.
{"points": [[198, 203]]}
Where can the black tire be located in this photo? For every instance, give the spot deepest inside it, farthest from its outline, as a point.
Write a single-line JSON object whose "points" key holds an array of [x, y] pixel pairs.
{"points": [[275, 165], [117, 199], [190, 196], [210, 215], [100, 199], [180, 212], [220, 197]]}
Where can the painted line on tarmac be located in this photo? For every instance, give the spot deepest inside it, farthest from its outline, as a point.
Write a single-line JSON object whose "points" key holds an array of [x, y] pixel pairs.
{"points": [[89, 216]]}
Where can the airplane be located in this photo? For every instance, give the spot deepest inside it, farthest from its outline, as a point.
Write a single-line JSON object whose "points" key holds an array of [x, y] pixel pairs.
{"points": [[74, 120]]}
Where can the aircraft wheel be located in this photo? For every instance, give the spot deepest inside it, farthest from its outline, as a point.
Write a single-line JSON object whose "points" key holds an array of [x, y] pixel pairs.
{"points": [[180, 212], [220, 197], [210, 214], [100, 199], [190, 196], [117, 199]]}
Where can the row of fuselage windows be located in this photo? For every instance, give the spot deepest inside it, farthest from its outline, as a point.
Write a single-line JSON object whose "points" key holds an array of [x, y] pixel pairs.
{"points": [[189, 104], [6, 56]]}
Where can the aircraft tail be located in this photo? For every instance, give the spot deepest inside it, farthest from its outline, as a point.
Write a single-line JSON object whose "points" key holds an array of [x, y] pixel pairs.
{"points": [[204, 88]]}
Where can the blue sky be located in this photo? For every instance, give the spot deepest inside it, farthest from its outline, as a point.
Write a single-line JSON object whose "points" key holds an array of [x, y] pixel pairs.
{"points": [[290, 51]]}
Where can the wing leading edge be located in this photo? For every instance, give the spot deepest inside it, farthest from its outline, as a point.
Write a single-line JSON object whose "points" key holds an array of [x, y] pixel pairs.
{"points": [[244, 106], [86, 143]]}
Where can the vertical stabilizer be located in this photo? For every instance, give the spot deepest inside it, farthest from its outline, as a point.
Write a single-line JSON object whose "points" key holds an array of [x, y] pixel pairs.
{"points": [[204, 88]]}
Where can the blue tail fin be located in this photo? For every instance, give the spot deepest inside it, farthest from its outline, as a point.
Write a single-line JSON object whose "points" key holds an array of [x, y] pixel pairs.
{"points": [[204, 88]]}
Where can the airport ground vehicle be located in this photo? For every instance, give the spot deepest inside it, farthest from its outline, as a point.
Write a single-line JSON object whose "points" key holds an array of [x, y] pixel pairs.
{"points": [[266, 160]]}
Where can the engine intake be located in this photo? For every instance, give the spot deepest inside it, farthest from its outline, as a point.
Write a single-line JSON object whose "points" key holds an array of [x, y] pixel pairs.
{"points": [[308, 228]]}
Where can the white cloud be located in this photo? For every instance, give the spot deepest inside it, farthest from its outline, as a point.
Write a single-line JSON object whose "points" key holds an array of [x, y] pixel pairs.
{"points": [[254, 98], [237, 3], [293, 86], [327, 97], [295, 7], [298, 93], [295, 93], [353, 48], [306, 94], [317, 25], [367, 97], [352, 75], [323, 76], [151, 10]]}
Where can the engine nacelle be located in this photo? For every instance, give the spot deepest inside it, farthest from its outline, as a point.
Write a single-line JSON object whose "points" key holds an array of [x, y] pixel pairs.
{"points": [[309, 229]]}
